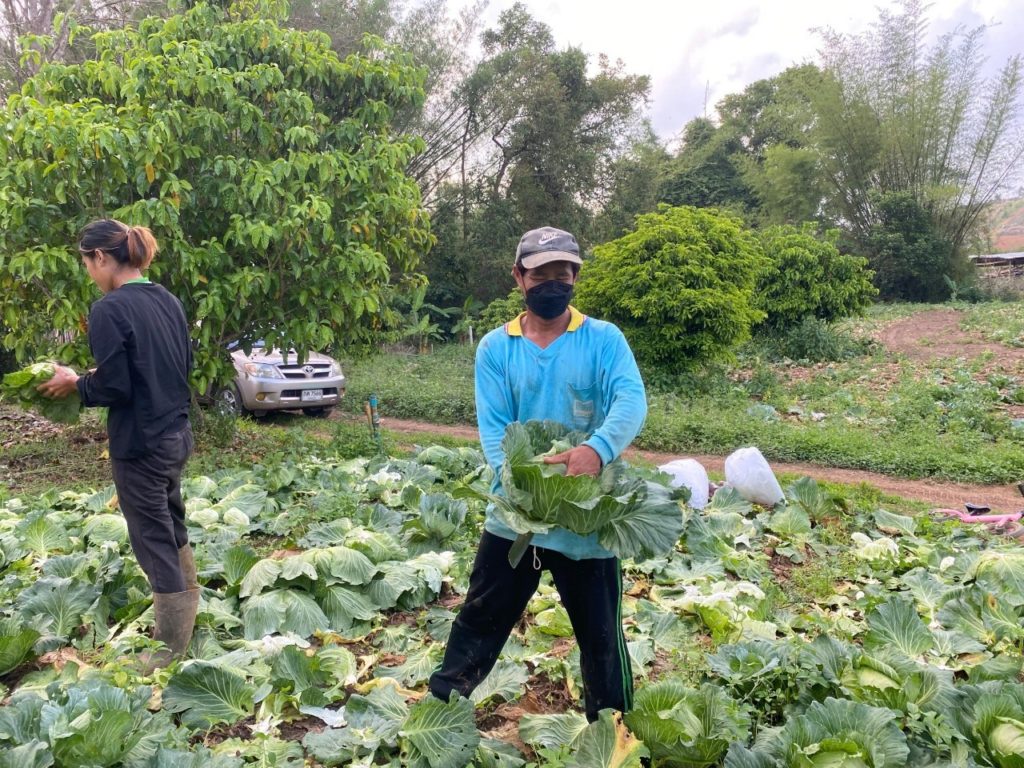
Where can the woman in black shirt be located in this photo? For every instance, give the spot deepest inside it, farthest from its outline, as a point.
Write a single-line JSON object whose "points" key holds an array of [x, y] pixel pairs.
{"points": [[139, 338]]}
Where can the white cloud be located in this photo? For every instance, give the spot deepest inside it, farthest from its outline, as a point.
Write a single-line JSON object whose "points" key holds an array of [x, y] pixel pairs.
{"points": [[720, 46]]}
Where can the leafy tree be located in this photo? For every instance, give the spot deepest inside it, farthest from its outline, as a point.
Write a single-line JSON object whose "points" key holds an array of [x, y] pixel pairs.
{"points": [[438, 43], [807, 276], [707, 170], [557, 153], [775, 120], [541, 137], [36, 31], [910, 258], [635, 179], [775, 111], [895, 116], [755, 156], [787, 183], [680, 286], [475, 249], [265, 165]]}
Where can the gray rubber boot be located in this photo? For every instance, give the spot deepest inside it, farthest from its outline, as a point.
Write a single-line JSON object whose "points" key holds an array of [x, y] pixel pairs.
{"points": [[188, 567], [175, 619]]}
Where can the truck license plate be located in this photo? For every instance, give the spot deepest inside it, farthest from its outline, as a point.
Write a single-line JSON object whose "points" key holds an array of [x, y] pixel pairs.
{"points": [[309, 395]]}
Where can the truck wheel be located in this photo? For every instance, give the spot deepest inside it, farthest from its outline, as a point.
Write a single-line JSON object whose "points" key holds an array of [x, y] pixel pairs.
{"points": [[228, 402], [318, 413]]}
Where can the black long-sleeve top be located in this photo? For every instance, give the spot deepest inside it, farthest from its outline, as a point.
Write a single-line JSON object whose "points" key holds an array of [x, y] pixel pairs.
{"points": [[139, 338]]}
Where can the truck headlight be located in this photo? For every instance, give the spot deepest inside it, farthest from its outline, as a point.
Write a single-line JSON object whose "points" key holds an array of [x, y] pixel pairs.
{"points": [[335, 369], [263, 371]]}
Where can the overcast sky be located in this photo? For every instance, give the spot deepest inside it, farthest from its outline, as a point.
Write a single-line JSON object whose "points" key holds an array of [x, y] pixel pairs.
{"points": [[690, 47]]}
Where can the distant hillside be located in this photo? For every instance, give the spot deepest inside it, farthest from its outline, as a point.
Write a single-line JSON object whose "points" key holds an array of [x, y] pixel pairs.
{"points": [[1006, 226]]}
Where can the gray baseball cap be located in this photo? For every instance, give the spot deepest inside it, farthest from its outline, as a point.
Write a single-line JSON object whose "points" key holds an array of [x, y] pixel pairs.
{"points": [[544, 245]]}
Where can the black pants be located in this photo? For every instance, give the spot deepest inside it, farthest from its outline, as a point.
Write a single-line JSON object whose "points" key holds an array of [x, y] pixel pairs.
{"points": [[591, 591], [149, 492]]}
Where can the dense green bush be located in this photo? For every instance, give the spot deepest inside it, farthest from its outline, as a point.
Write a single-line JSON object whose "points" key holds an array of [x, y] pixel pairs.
{"points": [[500, 311], [681, 286], [807, 276], [355, 439], [214, 430], [911, 258]]}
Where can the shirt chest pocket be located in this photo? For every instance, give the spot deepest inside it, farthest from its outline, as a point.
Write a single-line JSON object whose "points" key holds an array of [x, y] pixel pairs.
{"points": [[586, 407]]}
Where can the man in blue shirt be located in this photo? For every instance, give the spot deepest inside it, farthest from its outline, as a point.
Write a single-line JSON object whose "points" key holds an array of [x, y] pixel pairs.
{"points": [[551, 362]]}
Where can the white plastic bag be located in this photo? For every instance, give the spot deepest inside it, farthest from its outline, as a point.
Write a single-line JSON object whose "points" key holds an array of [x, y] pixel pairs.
{"points": [[691, 473], [748, 472]]}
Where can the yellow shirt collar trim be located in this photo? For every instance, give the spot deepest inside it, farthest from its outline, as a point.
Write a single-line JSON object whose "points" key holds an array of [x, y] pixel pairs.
{"points": [[576, 318]]}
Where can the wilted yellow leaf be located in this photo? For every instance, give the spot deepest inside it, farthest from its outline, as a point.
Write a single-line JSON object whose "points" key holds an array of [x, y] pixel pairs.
{"points": [[628, 748], [388, 682]]}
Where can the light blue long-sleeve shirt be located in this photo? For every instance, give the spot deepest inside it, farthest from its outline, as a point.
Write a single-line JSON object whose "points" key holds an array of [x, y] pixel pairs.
{"points": [[586, 379]]}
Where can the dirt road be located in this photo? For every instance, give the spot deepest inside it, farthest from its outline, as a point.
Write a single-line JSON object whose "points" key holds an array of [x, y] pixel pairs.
{"points": [[936, 334], [1004, 498]]}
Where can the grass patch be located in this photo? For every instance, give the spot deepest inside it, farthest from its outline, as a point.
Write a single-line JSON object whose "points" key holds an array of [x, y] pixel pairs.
{"points": [[436, 387], [915, 451], [38, 456], [998, 321], [950, 421], [878, 315], [812, 340]]}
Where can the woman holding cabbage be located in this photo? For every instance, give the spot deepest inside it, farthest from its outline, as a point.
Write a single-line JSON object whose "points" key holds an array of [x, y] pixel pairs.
{"points": [[139, 338], [550, 363]]}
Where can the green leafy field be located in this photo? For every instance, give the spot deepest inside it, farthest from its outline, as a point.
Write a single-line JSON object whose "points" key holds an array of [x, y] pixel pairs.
{"points": [[826, 632]]}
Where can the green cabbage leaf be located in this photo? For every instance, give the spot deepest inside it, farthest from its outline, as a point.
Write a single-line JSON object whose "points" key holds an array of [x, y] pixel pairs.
{"points": [[19, 388]]}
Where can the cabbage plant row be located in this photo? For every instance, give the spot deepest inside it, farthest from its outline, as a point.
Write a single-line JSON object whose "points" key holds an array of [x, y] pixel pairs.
{"points": [[329, 588]]}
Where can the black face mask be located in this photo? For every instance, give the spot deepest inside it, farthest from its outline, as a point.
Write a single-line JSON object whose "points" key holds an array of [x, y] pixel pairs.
{"points": [[549, 299]]}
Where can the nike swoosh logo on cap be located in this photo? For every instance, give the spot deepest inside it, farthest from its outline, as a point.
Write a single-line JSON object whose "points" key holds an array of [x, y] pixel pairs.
{"points": [[545, 239]]}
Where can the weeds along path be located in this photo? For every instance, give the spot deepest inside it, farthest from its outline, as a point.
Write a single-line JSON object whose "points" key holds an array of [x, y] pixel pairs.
{"points": [[1003, 498]]}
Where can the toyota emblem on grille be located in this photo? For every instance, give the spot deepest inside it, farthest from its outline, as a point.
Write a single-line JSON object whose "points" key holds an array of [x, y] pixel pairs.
{"points": [[308, 369]]}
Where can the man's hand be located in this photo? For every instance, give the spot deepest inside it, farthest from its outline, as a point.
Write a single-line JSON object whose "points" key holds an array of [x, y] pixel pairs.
{"points": [[581, 460], [63, 383]]}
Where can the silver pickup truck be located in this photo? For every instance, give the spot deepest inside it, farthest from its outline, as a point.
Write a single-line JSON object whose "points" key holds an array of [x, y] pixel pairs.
{"points": [[267, 380]]}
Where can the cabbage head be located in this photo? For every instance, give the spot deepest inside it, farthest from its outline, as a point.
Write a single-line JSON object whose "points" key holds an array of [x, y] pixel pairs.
{"points": [[836, 733], [20, 388], [633, 517], [684, 727], [999, 724]]}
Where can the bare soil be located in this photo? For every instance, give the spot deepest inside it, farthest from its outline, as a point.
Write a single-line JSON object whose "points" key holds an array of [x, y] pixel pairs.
{"points": [[542, 696], [936, 334]]}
